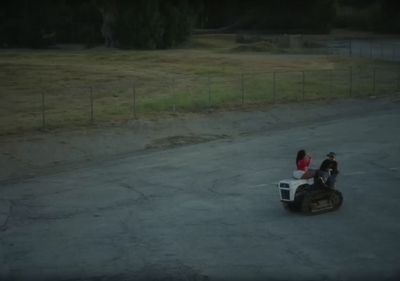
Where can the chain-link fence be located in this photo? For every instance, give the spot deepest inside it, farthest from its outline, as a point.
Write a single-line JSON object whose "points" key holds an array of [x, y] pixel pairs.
{"points": [[116, 101], [388, 50]]}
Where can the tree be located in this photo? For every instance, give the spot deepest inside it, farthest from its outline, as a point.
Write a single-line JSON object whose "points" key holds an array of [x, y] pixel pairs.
{"points": [[44, 22], [144, 24], [153, 24], [272, 15]]}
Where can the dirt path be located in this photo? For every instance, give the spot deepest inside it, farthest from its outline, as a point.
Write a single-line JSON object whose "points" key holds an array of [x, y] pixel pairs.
{"points": [[27, 156]]}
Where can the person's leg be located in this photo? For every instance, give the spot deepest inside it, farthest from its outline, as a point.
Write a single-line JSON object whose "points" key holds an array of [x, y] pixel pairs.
{"points": [[297, 174], [331, 182], [309, 174]]}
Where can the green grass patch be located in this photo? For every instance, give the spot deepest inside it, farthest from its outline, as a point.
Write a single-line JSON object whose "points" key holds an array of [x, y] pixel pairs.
{"points": [[207, 75]]}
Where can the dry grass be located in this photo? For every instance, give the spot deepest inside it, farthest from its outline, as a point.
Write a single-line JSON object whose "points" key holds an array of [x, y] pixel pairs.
{"points": [[164, 80]]}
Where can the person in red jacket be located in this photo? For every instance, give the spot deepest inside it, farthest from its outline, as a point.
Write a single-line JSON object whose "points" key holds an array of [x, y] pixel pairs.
{"points": [[303, 162]]}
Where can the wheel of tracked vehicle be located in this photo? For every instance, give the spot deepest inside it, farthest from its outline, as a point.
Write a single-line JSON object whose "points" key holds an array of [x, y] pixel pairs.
{"points": [[306, 207], [336, 199], [311, 200]]}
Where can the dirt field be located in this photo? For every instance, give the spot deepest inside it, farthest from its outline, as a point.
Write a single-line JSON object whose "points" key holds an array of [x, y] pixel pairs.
{"points": [[194, 198], [69, 88]]}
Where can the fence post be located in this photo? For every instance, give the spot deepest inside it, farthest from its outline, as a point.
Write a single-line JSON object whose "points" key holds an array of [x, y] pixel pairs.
{"points": [[351, 81], [398, 78], [370, 48], [394, 52], [350, 47], [303, 93], [172, 91], [91, 106], [134, 100], [43, 112], [274, 86], [242, 86], [374, 81], [209, 89]]}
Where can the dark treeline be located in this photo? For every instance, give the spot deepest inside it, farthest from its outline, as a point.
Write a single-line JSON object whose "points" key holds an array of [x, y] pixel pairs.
{"points": [[302, 16], [142, 24], [372, 15], [271, 16], [157, 24]]}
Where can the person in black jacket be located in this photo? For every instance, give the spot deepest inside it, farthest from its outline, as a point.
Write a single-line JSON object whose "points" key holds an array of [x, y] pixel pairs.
{"points": [[328, 171]]}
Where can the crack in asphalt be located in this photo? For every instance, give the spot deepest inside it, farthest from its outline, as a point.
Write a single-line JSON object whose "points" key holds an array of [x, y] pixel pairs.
{"points": [[134, 189], [4, 226], [212, 188], [27, 214], [182, 140], [57, 217], [214, 183]]}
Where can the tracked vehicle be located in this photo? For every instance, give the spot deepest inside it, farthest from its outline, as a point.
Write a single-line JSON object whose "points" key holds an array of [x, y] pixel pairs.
{"points": [[308, 198]]}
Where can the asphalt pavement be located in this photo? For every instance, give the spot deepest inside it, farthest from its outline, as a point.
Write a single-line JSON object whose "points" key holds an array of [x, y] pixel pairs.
{"points": [[211, 211]]}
